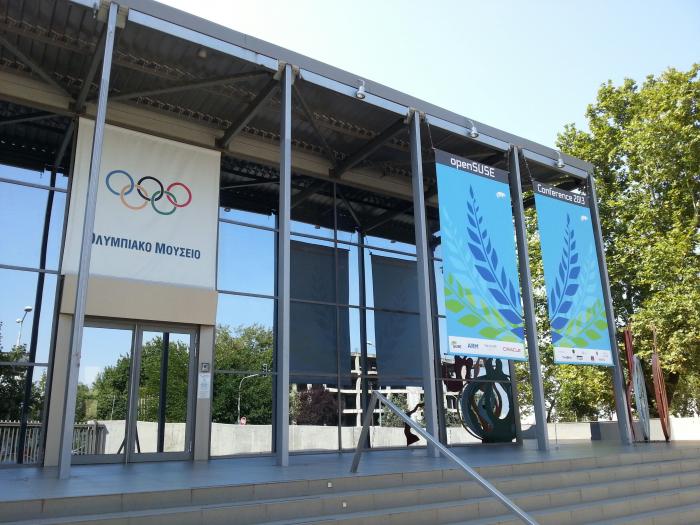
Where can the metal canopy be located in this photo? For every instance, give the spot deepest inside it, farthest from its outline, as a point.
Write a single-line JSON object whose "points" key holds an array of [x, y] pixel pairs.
{"points": [[222, 80]]}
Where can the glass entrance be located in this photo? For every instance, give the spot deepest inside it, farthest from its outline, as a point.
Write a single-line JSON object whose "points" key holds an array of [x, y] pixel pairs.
{"points": [[135, 393], [162, 402]]}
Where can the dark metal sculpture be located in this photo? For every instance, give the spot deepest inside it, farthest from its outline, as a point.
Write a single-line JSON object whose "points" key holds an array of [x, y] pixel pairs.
{"points": [[486, 405]]}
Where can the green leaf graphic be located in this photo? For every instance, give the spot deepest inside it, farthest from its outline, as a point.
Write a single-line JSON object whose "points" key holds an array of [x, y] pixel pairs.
{"points": [[592, 334], [469, 320], [489, 332], [454, 306]]}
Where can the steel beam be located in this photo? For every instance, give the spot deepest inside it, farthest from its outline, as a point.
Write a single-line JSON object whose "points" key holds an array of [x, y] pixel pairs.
{"points": [[27, 117], [307, 192], [312, 121], [618, 381], [551, 163], [189, 85], [358, 223], [97, 55], [237, 185], [64, 144], [367, 149], [36, 68], [64, 460], [390, 215], [533, 350], [283, 273], [423, 269], [244, 118]]}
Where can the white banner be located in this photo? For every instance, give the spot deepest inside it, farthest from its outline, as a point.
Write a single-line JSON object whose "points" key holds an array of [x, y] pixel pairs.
{"points": [[157, 209]]}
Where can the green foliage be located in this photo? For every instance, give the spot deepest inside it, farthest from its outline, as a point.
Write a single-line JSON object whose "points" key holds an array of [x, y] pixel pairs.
{"points": [[644, 142], [12, 385], [248, 350], [389, 419]]}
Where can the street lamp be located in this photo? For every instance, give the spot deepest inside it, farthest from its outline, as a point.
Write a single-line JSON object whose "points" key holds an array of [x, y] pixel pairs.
{"points": [[27, 309], [238, 419]]}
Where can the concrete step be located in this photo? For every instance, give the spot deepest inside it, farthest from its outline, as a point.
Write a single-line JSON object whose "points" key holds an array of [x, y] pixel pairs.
{"points": [[568, 481], [681, 515], [613, 510], [508, 478], [436, 501]]}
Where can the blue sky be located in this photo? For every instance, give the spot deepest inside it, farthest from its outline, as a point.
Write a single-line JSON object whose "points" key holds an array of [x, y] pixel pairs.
{"points": [[525, 67]]}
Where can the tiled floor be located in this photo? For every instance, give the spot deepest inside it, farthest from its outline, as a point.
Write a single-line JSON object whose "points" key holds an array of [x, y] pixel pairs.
{"points": [[33, 483]]}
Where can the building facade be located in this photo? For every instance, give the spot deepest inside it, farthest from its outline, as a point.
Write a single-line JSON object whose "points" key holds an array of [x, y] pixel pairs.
{"points": [[225, 246]]}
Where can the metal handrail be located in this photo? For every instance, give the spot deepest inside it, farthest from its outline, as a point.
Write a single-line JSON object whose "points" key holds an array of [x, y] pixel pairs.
{"points": [[376, 397]]}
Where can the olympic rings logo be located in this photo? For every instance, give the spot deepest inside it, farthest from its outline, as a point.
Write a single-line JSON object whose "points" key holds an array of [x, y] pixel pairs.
{"points": [[147, 196]]}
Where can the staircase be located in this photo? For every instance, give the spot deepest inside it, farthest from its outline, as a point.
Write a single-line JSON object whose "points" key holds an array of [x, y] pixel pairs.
{"points": [[659, 486]]}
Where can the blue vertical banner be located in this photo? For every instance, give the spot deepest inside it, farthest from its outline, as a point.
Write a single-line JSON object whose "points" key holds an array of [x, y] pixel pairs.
{"points": [[572, 277], [482, 295]]}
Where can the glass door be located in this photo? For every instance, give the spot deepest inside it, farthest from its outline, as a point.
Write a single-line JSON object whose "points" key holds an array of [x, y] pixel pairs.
{"points": [[102, 405], [162, 406], [135, 397]]}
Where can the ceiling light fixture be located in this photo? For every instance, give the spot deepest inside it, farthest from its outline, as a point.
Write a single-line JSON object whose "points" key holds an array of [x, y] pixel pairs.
{"points": [[361, 90], [473, 132], [560, 161]]}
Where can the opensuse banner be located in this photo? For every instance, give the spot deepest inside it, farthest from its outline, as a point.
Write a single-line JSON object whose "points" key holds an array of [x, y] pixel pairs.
{"points": [[577, 312], [482, 295]]}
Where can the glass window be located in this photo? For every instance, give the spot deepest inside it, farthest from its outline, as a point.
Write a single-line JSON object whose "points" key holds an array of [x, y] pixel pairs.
{"points": [[21, 224], [241, 414], [259, 219], [17, 312], [32, 176], [389, 430], [13, 400], [246, 259], [236, 311], [55, 241], [243, 377]]}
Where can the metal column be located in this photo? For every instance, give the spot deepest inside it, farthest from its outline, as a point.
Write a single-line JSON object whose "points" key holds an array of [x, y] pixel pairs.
{"points": [[163, 391], [533, 351], [423, 267], [64, 460], [283, 272], [618, 381]]}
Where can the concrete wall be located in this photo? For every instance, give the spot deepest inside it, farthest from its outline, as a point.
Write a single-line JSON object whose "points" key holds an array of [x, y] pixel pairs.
{"points": [[227, 439]]}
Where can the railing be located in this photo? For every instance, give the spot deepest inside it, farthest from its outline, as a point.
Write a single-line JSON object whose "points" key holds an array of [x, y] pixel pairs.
{"points": [[9, 438], [88, 438], [377, 397]]}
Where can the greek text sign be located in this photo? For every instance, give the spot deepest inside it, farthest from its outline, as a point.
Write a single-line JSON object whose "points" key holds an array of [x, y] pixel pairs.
{"points": [[157, 206], [574, 291], [482, 295]]}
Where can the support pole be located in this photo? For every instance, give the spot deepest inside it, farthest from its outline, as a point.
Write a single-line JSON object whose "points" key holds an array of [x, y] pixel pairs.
{"points": [[423, 269], [283, 271], [364, 360], [64, 460], [163, 391], [618, 381], [533, 351]]}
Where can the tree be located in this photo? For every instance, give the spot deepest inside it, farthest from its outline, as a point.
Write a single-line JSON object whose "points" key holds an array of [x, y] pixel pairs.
{"points": [[12, 384], [244, 351], [644, 144]]}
